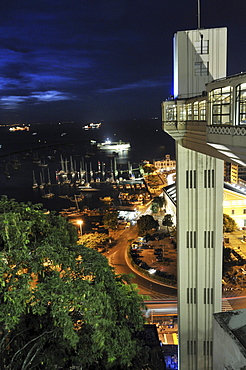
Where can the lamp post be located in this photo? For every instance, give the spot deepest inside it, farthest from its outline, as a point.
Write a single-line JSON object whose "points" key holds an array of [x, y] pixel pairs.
{"points": [[80, 223]]}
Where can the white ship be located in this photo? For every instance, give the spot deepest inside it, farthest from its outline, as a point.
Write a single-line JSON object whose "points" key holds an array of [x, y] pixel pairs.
{"points": [[114, 145]]}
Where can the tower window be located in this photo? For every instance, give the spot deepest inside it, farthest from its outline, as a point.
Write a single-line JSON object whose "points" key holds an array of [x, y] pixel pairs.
{"points": [[201, 68], [202, 46]]}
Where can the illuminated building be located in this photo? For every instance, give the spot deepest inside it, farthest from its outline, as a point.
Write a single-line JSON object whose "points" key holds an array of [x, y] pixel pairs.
{"points": [[166, 164], [207, 120], [234, 204], [231, 173]]}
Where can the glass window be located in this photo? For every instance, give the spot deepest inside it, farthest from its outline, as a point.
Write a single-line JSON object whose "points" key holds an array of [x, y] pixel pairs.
{"points": [[201, 68], [202, 110], [220, 100], [189, 112], [241, 103], [201, 46], [182, 112], [195, 111], [171, 112]]}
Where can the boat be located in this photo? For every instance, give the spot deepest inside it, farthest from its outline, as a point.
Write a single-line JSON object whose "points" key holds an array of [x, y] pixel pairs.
{"points": [[106, 199], [35, 184], [48, 195], [114, 145], [87, 187]]}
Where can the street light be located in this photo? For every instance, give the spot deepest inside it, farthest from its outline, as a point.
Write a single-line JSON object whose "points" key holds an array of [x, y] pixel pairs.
{"points": [[80, 223]]}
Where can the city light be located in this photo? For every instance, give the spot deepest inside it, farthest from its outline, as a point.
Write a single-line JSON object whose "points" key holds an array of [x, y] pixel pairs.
{"points": [[80, 223]]}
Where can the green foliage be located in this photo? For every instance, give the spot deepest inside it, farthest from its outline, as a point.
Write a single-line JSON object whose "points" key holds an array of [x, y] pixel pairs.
{"points": [[154, 208], [229, 224], [146, 223], [149, 168], [110, 219], [160, 201], [61, 306], [94, 240], [167, 220], [157, 204]]}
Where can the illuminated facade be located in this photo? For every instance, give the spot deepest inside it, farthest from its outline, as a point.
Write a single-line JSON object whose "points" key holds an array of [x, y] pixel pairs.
{"points": [[231, 173], [166, 164], [234, 204], [207, 121]]}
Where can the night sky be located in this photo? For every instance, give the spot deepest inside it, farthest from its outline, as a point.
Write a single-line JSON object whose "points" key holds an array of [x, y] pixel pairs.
{"points": [[92, 60]]}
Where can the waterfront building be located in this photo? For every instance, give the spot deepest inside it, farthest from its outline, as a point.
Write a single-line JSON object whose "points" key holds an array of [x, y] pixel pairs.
{"points": [[207, 119], [165, 165]]}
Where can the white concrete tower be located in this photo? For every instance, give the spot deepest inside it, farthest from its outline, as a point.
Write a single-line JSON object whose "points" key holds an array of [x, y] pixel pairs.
{"points": [[199, 58]]}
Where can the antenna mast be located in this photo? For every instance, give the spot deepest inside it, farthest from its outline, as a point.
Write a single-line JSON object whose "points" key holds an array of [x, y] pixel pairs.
{"points": [[198, 15]]}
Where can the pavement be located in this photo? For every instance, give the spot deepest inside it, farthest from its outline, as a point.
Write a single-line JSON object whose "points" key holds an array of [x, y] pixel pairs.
{"points": [[235, 240]]}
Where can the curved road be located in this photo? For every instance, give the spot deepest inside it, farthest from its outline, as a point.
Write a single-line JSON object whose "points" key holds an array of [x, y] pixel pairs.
{"points": [[117, 259], [156, 291]]}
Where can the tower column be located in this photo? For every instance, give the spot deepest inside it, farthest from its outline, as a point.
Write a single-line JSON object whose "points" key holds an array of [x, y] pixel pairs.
{"points": [[199, 242]]}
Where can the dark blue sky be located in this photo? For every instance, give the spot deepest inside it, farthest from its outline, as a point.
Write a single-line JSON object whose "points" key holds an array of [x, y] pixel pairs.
{"points": [[92, 60]]}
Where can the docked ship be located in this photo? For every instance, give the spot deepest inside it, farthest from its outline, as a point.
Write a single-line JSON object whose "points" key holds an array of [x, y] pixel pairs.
{"points": [[114, 145]]}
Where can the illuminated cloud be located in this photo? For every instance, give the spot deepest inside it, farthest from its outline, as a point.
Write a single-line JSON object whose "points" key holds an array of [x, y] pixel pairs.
{"points": [[135, 85], [13, 101]]}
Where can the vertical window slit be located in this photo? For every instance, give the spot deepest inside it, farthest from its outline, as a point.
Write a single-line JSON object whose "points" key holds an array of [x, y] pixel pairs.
{"points": [[191, 300], [195, 347], [204, 348], [205, 239], [191, 244], [205, 178], [187, 179], [209, 178], [187, 239], [190, 179], [195, 295], [204, 295], [188, 301], [207, 348], [212, 296], [194, 239], [208, 239], [208, 295], [212, 178], [195, 179], [212, 239]]}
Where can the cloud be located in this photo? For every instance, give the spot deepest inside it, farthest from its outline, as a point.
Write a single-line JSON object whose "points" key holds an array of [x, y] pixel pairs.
{"points": [[143, 84], [15, 101]]}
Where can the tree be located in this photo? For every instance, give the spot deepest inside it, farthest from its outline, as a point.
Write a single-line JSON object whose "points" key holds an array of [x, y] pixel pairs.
{"points": [[167, 221], [94, 240], [229, 224], [110, 219], [157, 204], [149, 168], [146, 223], [61, 304]]}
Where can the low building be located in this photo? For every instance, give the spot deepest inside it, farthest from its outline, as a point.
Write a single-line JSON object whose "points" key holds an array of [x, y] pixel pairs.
{"points": [[234, 203]]}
